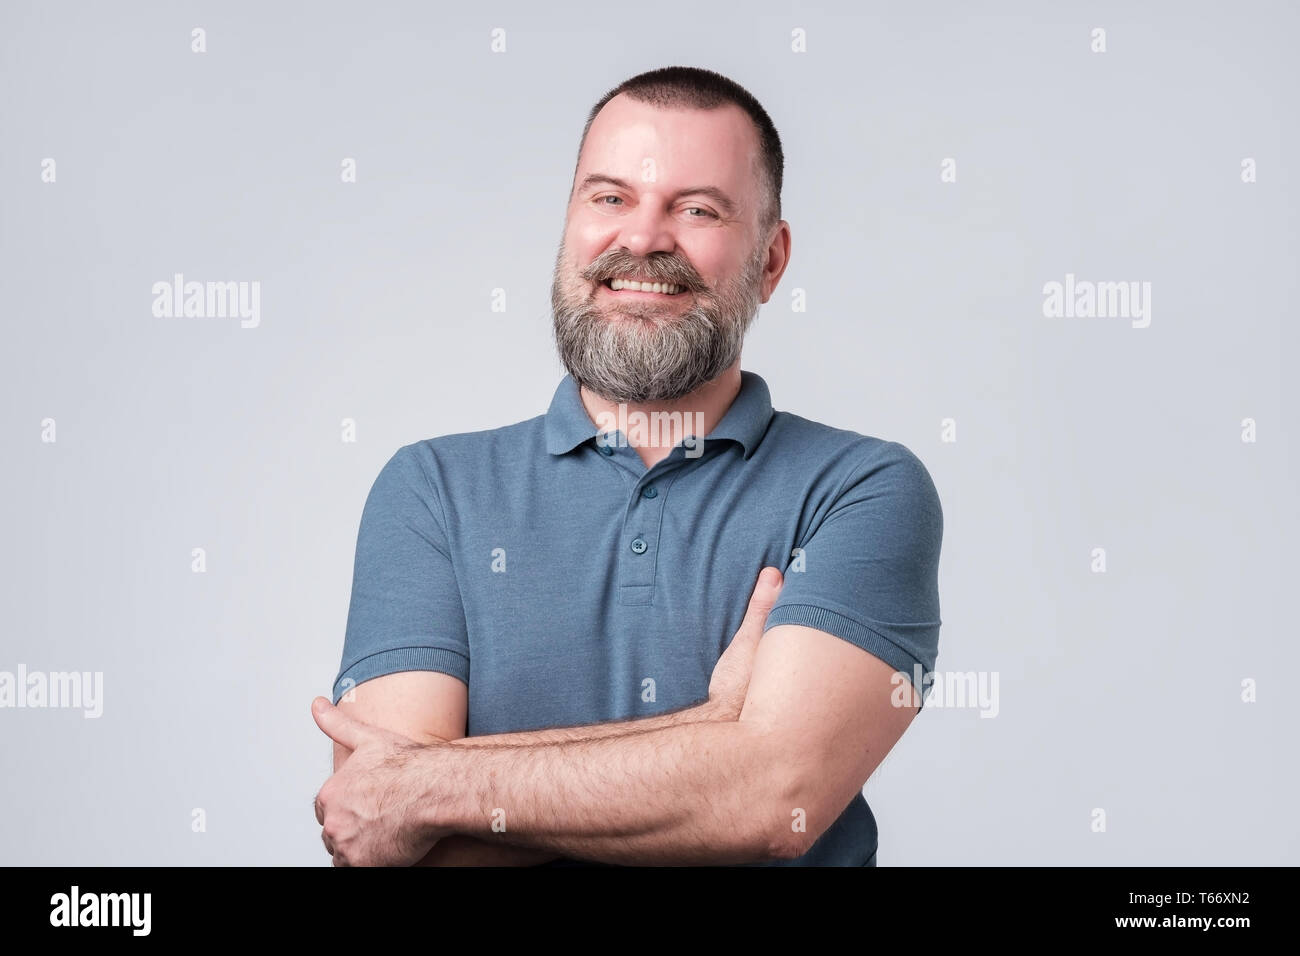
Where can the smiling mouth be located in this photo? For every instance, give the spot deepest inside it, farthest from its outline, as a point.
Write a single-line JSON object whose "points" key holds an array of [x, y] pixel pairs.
{"points": [[667, 289]]}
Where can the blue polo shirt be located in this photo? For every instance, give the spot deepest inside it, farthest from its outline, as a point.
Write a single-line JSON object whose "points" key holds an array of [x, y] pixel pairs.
{"points": [[566, 584]]}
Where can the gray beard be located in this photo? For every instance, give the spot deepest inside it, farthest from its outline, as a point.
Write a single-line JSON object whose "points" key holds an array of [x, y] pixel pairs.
{"points": [[643, 357]]}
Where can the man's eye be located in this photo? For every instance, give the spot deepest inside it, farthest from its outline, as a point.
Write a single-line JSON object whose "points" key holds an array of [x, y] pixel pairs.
{"points": [[707, 213], [603, 198]]}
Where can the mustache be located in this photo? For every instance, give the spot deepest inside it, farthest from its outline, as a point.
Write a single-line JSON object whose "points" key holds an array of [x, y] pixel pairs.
{"points": [[660, 267]]}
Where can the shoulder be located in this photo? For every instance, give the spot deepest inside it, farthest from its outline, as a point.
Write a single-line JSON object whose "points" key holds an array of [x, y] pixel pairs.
{"points": [[853, 453], [462, 465], [876, 476], [418, 481], [446, 457], [462, 446]]}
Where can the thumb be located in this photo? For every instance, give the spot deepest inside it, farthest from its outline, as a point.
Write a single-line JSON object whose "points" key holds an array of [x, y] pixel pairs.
{"points": [[337, 725], [766, 591]]}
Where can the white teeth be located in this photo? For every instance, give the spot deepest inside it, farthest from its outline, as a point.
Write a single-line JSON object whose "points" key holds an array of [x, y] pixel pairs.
{"points": [[661, 287]]}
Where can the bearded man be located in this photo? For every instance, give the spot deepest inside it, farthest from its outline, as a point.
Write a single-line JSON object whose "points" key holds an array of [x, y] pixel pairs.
{"points": [[661, 623]]}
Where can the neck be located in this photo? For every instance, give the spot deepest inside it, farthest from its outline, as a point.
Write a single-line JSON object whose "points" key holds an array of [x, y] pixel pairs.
{"points": [[654, 428]]}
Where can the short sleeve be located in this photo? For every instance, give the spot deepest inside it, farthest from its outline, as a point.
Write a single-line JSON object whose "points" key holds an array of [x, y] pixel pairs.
{"points": [[868, 572], [406, 611]]}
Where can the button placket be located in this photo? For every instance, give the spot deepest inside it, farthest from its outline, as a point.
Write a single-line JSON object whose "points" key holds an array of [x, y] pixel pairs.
{"points": [[606, 442], [641, 533]]}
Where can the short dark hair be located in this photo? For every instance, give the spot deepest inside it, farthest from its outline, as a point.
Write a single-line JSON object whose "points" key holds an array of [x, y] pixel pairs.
{"points": [[689, 87]]}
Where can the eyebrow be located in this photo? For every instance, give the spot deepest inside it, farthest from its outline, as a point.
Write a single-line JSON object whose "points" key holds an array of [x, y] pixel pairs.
{"points": [[713, 192]]}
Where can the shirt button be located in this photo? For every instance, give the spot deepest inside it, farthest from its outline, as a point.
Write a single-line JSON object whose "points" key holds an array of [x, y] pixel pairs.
{"points": [[649, 491], [638, 546], [606, 449]]}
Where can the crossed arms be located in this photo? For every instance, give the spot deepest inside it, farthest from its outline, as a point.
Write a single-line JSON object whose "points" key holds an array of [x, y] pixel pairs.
{"points": [[793, 727]]}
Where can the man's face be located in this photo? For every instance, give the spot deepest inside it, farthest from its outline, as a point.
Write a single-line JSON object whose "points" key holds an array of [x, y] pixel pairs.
{"points": [[668, 196]]}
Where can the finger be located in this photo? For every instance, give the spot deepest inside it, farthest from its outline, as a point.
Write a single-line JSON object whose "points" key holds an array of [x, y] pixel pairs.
{"points": [[329, 847], [766, 591], [337, 725], [320, 810]]}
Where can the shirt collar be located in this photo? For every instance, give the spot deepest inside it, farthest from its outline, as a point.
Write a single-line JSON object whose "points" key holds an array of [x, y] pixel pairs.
{"points": [[745, 422]]}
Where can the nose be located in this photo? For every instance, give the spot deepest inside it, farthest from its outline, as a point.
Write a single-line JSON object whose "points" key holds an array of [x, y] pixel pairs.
{"points": [[647, 229]]}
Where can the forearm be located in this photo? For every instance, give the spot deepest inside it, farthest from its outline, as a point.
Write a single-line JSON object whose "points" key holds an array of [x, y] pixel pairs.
{"points": [[705, 710], [694, 793], [461, 850]]}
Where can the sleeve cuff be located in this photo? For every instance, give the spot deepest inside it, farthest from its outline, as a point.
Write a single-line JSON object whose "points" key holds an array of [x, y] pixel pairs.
{"points": [[402, 659], [867, 638]]}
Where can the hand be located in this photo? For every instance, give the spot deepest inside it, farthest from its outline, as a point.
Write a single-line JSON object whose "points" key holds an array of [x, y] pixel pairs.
{"points": [[369, 809], [730, 681]]}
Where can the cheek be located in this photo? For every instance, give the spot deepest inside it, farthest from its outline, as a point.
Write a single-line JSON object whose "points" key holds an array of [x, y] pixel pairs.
{"points": [[711, 260], [587, 236], [580, 256]]}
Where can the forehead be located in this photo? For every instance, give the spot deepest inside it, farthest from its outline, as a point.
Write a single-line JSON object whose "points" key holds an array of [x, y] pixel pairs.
{"points": [[717, 147]]}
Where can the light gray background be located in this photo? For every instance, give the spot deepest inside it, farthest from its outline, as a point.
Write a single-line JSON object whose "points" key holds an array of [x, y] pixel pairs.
{"points": [[1118, 690]]}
